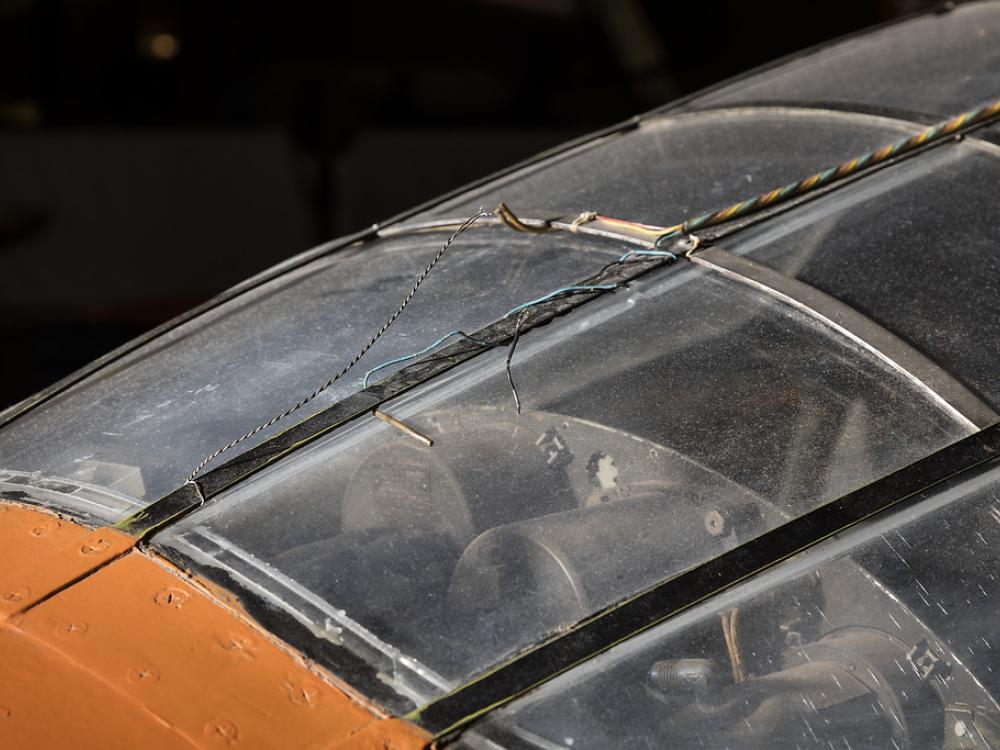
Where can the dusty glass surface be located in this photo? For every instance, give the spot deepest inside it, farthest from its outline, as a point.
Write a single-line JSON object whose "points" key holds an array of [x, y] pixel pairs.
{"points": [[661, 425], [937, 64], [141, 425], [883, 637], [884, 247], [673, 168]]}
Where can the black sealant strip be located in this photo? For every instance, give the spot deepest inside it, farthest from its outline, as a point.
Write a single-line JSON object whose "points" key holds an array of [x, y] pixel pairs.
{"points": [[599, 633], [169, 507], [214, 481]]}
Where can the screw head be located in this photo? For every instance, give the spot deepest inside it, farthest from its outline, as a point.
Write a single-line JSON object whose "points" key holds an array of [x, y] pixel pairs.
{"points": [[143, 675], [67, 630], [15, 595], [222, 731], [302, 693], [238, 644], [171, 597], [45, 528], [95, 546], [715, 524]]}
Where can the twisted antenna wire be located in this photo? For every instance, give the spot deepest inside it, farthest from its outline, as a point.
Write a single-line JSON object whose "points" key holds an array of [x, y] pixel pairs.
{"points": [[354, 360]]}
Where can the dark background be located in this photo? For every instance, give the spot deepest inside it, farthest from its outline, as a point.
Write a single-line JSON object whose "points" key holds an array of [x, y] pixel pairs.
{"points": [[153, 153]]}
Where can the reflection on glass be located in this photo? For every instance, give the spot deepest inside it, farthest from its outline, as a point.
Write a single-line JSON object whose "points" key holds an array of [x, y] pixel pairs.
{"points": [[883, 638], [141, 425], [661, 425]]}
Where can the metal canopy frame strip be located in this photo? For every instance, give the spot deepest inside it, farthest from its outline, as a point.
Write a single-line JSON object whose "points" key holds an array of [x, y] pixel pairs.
{"points": [[601, 632]]}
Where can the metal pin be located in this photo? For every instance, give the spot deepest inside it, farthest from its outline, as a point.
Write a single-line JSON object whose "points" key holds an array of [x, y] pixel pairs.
{"points": [[689, 243], [389, 419], [581, 219]]}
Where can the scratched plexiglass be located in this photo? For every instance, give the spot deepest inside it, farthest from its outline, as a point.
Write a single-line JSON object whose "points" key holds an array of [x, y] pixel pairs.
{"points": [[141, 425], [883, 637], [660, 425], [671, 168], [881, 247], [938, 64]]}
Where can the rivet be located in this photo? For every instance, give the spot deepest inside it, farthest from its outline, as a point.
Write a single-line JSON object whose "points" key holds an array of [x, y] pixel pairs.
{"points": [[301, 693], [95, 546], [45, 528], [71, 629], [222, 730], [715, 523], [144, 675], [239, 644], [171, 597], [13, 596], [5, 712]]}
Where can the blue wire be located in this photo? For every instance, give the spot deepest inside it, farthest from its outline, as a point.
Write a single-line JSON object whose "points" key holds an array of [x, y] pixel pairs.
{"points": [[677, 232], [657, 253], [564, 290], [425, 350], [519, 308]]}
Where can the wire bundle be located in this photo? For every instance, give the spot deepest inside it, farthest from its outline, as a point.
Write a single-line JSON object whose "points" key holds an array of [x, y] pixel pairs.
{"points": [[827, 176]]}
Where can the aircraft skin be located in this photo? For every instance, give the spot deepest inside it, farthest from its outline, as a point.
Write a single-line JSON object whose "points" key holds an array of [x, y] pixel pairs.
{"points": [[106, 645]]}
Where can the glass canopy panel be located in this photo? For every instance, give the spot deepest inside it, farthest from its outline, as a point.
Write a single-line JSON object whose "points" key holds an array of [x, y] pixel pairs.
{"points": [[673, 168], [661, 425], [882, 638], [938, 64], [914, 248], [141, 425]]}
